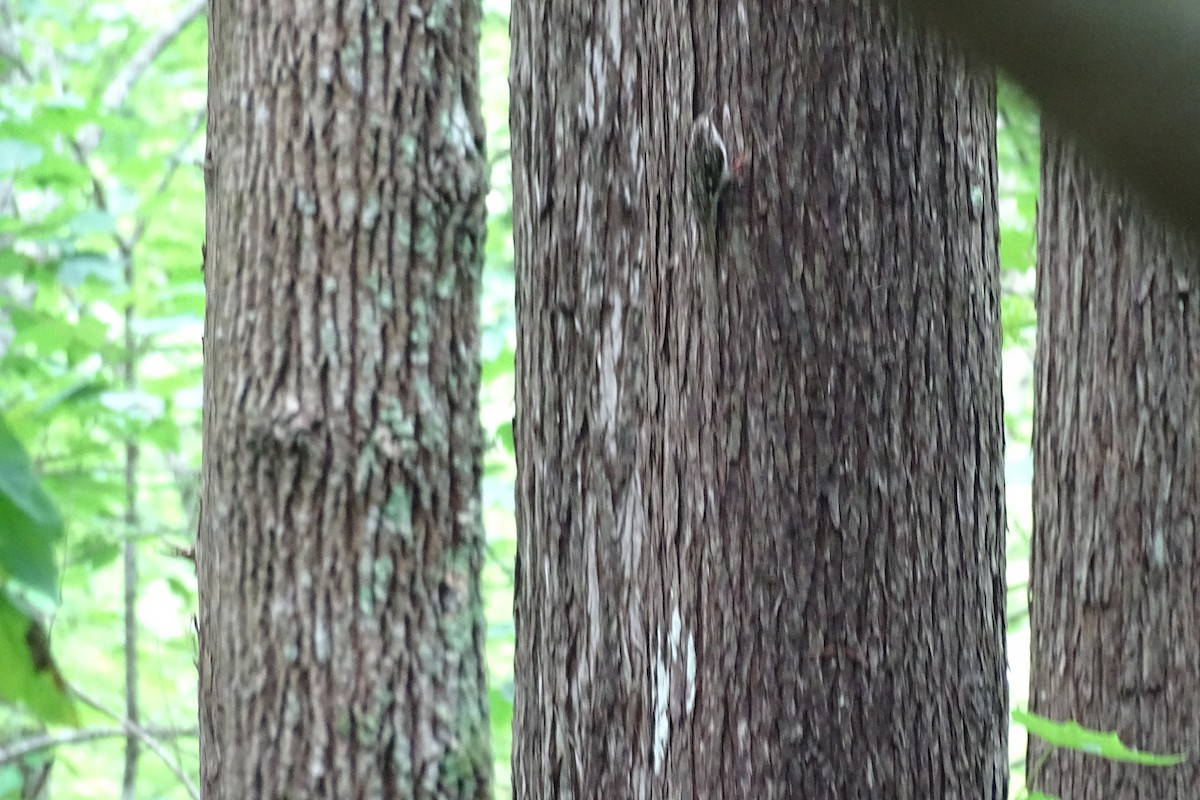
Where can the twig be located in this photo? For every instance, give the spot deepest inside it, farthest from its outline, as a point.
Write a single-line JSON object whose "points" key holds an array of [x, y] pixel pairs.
{"points": [[50, 739], [10, 53], [126, 245], [10, 50], [82, 154], [121, 85], [173, 163], [129, 550], [145, 737]]}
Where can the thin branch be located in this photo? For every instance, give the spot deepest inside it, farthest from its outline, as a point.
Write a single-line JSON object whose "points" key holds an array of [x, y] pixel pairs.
{"points": [[122, 84], [10, 49], [498, 157], [82, 154], [1003, 116], [126, 245], [501, 563], [10, 53], [146, 738], [51, 739], [129, 574], [173, 163]]}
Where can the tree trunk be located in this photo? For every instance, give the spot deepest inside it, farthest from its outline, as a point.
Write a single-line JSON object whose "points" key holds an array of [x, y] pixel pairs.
{"points": [[1114, 613], [341, 630], [760, 465]]}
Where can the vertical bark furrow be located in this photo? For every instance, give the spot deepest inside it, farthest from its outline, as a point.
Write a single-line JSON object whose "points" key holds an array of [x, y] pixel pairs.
{"points": [[341, 541], [1113, 587], [808, 527]]}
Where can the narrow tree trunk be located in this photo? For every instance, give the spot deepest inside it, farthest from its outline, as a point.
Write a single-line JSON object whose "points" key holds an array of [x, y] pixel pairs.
{"points": [[341, 631], [760, 467], [1114, 612]]}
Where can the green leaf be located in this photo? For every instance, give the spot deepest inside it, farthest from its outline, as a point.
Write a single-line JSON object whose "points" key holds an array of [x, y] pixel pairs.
{"points": [[502, 718], [92, 221], [28, 674], [1074, 736], [167, 385], [163, 433], [57, 170], [94, 551], [78, 392], [180, 590], [17, 156], [1016, 249], [14, 263], [29, 523], [51, 333], [76, 269], [11, 782], [504, 432], [497, 367], [64, 116]]}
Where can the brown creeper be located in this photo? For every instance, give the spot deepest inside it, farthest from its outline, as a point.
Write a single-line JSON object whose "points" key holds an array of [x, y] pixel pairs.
{"points": [[708, 170]]}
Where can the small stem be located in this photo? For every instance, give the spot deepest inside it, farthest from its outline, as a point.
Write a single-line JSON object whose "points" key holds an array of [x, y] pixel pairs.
{"points": [[129, 547], [152, 743], [14, 751], [123, 83]]}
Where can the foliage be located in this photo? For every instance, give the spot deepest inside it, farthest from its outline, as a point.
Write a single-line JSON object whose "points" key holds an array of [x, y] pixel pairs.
{"points": [[101, 299], [30, 527], [101, 313], [1017, 146], [27, 672], [29, 520], [1073, 736]]}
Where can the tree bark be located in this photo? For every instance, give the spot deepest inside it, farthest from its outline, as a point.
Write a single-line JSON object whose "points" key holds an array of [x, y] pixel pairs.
{"points": [[341, 631], [759, 480], [1113, 603]]}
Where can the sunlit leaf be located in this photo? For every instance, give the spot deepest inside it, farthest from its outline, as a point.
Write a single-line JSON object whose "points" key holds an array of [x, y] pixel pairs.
{"points": [[505, 434], [163, 433], [12, 781], [501, 703], [17, 155], [1073, 736], [76, 269], [92, 221], [55, 170], [498, 364], [78, 392]]}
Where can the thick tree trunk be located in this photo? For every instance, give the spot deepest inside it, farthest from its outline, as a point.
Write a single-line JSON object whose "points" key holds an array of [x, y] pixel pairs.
{"points": [[341, 632], [760, 480], [1114, 611]]}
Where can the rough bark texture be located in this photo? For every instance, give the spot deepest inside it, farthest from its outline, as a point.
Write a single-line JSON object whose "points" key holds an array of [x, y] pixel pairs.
{"points": [[759, 485], [1114, 608], [341, 632]]}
